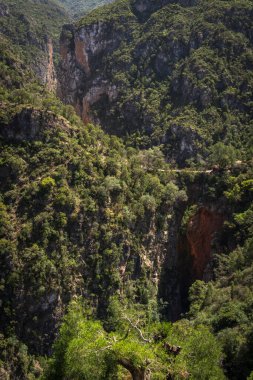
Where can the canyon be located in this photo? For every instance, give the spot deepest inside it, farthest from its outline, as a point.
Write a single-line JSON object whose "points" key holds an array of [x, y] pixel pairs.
{"points": [[120, 183]]}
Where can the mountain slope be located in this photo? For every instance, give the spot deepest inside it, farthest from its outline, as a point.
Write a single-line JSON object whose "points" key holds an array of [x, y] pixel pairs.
{"points": [[92, 228], [33, 28], [83, 215], [75, 217], [180, 75]]}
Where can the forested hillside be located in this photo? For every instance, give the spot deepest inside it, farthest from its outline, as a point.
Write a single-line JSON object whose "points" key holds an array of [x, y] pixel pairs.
{"points": [[126, 249], [179, 74], [32, 30]]}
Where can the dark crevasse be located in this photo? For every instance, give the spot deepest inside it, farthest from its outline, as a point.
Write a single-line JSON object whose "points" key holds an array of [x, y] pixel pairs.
{"points": [[189, 258]]}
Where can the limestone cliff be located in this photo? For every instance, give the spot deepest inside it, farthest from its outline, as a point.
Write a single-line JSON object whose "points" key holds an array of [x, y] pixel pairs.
{"points": [[84, 75], [83, 214], [50, 80], [155, 70], [31, 124], [44, 66], [82, 50], [189, 256], [200, 236]]}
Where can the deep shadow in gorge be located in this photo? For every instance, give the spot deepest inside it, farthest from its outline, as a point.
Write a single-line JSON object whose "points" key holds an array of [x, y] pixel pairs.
{"points": [[189, 258]]}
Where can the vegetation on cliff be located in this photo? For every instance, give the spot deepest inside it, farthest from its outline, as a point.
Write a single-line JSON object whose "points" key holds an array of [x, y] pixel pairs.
{"points": [[98, 242], [29, 24], [181, 77], [137, 344]]}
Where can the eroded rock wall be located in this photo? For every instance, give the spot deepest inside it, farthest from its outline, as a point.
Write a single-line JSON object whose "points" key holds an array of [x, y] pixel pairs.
{"points": [[200, 236], [82, 80], [189, 255]]}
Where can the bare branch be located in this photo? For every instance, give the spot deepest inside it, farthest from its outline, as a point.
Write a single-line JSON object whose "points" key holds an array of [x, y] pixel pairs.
{"points": [[137, 329]]}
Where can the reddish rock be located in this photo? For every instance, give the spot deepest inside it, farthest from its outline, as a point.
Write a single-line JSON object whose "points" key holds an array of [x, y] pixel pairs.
{"points": [[200, 233]]}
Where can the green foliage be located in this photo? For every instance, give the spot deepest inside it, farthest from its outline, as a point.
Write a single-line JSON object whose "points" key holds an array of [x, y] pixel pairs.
{"points": [[226, 308], [188, 214], [15, 360], [83, 214], [31, 23], [47, 183], [194, 99], [222, 155], [201, 354], [197, 295], [134, 345]]}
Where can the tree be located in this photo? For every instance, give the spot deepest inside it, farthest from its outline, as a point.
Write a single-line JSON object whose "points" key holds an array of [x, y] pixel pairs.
{"points": [[99, 353], [146, 351], [222, 155]]}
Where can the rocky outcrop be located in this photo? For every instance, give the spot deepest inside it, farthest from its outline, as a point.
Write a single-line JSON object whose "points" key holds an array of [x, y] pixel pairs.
{"points": [[85, 71], [195, 248], [82, 83], [200, 235], [31, 124], [4, 10], [143, 68], [182, 143], [50, 79], [44, 66], [86, 79]]}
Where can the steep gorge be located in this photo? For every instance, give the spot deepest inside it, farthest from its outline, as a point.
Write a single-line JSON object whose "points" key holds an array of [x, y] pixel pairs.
{"points": [[101, 56], [196, 248], [85, 214]]}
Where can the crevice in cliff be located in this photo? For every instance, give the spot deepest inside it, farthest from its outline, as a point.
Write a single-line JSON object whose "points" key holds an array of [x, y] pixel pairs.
{"points": [[189, 258]]}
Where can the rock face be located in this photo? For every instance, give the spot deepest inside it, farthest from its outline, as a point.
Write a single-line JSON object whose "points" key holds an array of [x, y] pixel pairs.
{"points": [[30, 125], [200, 233], [143, 68], [50, 79], [182, 142], [44, 67], [189, 256], [82, 50], [86, 79], [83, 80], [196, 246]]}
